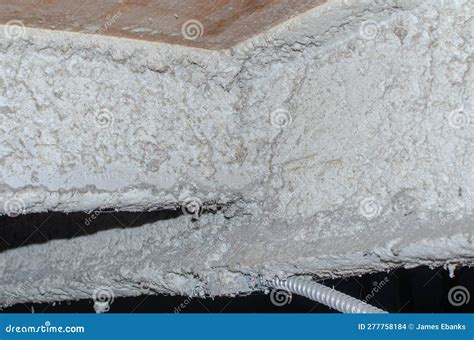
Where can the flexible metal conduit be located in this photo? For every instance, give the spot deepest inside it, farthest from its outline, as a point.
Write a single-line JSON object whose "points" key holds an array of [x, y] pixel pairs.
{"points": [[325, 295]]}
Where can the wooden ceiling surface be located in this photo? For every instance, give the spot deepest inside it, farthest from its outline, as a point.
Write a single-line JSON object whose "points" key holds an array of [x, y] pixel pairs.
{"points": [[212, 24]]}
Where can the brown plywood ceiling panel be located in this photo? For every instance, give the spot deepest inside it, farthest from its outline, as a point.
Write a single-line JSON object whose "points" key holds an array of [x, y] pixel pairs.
{"points": [[212, 24]]}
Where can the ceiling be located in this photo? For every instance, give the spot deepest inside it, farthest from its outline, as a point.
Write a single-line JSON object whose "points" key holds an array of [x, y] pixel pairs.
{"points": [[211, 24]]}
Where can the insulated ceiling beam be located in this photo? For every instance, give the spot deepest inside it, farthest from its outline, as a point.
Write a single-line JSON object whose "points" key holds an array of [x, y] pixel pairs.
{"points": [[337, 143]]}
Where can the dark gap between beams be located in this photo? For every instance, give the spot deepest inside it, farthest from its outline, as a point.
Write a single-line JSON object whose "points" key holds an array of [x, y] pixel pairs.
{"points": [[39, 228]]}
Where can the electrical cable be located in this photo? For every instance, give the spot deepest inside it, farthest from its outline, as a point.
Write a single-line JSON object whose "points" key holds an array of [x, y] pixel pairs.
{"points": [[323, 294]]}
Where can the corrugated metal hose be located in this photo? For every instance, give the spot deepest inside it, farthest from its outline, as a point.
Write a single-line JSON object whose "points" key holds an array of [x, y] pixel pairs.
{"points": [[323, 294]]}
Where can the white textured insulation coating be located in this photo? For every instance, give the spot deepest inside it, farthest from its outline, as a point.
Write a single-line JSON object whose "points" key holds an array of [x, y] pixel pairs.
{"points": [[337, 143]]}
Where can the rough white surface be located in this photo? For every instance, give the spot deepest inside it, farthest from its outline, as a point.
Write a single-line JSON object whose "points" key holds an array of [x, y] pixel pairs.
{"points": [[338, 143]]}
